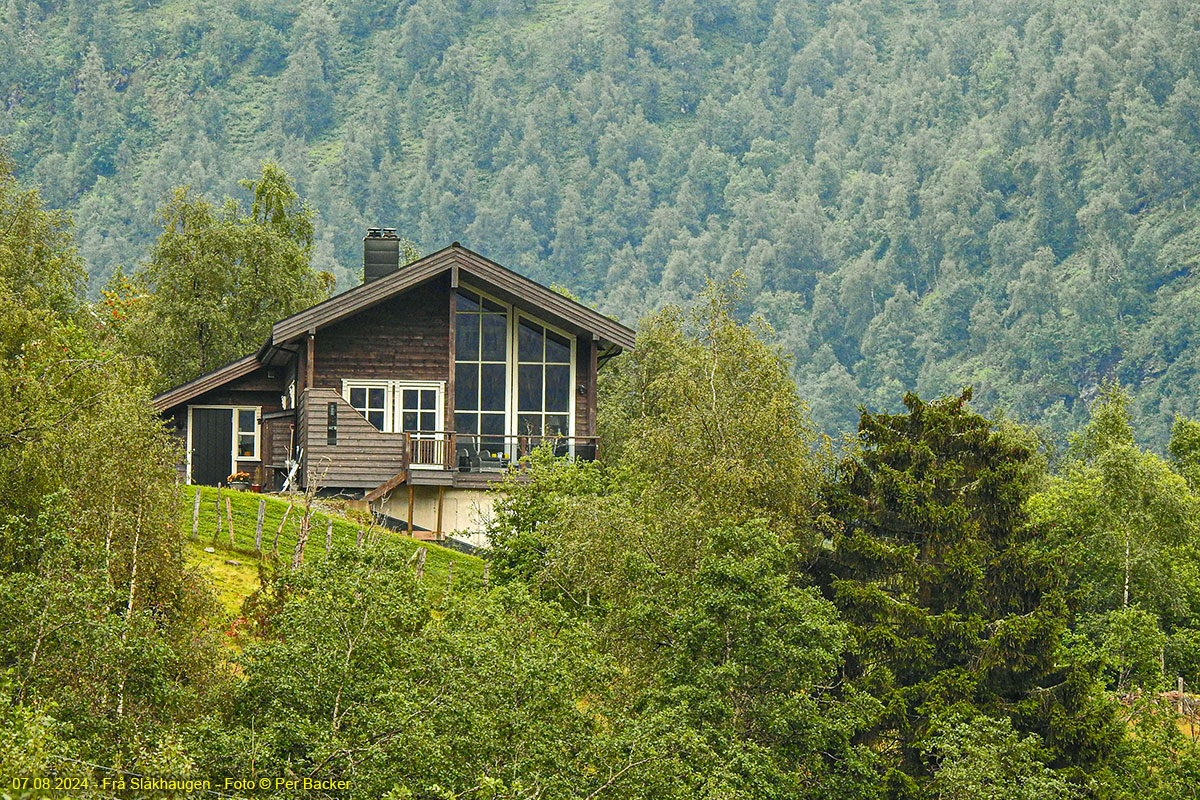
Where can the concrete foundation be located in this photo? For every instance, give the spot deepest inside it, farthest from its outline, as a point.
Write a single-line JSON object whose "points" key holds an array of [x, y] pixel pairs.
{"points": [[466, 513]]}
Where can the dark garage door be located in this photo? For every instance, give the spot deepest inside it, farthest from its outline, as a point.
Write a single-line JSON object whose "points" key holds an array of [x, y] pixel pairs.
{"points": [[212, 445]]}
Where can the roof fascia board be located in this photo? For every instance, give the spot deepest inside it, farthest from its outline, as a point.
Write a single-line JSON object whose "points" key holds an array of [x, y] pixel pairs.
{"points": [[530, 292], [541, 297], [210, 380]]}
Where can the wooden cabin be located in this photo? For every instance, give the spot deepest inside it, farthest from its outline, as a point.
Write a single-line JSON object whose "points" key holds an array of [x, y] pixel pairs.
{"points": [[414, 391]]}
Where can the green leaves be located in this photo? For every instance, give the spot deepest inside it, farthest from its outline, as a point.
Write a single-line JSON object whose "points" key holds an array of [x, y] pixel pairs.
{"points": [[218, 278]]}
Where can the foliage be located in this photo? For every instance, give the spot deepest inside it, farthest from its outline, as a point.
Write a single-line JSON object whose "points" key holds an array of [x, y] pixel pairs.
{"points": [[705, 406], [100, 620], [218, 278], [1127, 521], [986, 759], [954, 606], [920, 195], [683, 550]]}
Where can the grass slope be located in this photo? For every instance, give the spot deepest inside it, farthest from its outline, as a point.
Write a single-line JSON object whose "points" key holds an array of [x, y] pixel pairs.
{"points": [[235, 582]]}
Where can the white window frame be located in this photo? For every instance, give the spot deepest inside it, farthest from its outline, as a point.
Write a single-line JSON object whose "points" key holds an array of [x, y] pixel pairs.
{"points": [[439, 388], [235, 458], [393, 402], [509, 364], [369, 383], [439, 425]]}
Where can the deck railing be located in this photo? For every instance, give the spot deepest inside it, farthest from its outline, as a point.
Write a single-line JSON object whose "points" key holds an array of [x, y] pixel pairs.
{"points": [[468, 452]]}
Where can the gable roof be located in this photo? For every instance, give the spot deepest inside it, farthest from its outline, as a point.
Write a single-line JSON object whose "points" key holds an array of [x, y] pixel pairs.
{"points": [[517, 288], [209, 380], [505, 283]]}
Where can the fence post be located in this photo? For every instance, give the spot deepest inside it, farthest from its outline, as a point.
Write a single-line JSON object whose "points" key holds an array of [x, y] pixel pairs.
{"points": [[282, 522], [218, 533], [229, 516], [196, 514], [420, 568], [329, 536], [262, 510]]}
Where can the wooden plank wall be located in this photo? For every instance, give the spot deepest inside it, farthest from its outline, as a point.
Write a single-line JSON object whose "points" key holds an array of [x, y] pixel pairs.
{"points": [[276, 444], [585, 412], [255, 389], [404, 338], [363, 457]]}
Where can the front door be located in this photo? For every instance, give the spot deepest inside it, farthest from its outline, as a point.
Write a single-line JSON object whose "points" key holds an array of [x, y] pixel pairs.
{"points": [[212, 445]]}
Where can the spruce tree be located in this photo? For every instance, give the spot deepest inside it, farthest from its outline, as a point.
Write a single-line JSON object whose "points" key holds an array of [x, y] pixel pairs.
{"points": [[956, 608]]}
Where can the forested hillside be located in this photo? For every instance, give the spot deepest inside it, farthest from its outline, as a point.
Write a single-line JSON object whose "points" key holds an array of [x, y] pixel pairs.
{"points": [[998, 193], [724, 607]]}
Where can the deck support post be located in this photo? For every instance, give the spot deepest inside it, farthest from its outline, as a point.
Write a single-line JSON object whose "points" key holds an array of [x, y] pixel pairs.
{"points": [[411, 500], [441, 497]]}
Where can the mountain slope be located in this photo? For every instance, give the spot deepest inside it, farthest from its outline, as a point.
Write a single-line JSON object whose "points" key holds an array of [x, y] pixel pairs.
{"points": [[999, 193]]}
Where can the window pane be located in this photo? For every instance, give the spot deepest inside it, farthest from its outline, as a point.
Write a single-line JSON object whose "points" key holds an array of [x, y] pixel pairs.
{"points": [[428, 421], [246, 421], [529, 425], [466, 337], [466, 301], [375, 398], [358, 398], [246, 444], [466, 387], [529, 387], [410, 398], [558, 387], [466, 423], [409, 421], [495, 338], [490, 305], [492, 423], [556, 425], [558, 348], [493, 389], [375, 418], [428, 399], [529, 341]]}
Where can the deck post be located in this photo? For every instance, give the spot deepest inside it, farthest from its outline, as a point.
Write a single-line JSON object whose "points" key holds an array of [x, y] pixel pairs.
{"points": [[441, 496], [411, 500]]}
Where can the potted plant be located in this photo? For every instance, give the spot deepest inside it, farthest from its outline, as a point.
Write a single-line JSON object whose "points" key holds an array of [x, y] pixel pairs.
{"points": [[239, 481]]}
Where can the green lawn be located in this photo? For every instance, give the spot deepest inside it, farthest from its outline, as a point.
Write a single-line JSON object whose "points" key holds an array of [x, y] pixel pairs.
{"points": [[234, 582]]}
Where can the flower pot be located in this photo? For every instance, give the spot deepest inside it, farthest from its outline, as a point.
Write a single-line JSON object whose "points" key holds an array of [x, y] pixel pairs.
{"points": [[241, 486]]}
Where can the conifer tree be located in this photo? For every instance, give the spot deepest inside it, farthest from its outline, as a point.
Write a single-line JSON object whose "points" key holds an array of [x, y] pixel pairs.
{"points": [[954, 606]]}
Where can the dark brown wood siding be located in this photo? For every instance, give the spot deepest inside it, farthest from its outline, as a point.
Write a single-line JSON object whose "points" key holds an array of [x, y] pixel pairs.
{"points": [[276, 447], [585, 412], [363, 457], [404, 338], [262, 388]]}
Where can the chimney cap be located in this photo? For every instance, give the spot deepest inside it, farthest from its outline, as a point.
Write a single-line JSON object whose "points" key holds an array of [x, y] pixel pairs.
{"points": [[374, 233]]}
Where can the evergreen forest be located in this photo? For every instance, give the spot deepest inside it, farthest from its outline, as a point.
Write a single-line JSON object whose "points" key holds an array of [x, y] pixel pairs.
{"points": [[927, 195]]}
